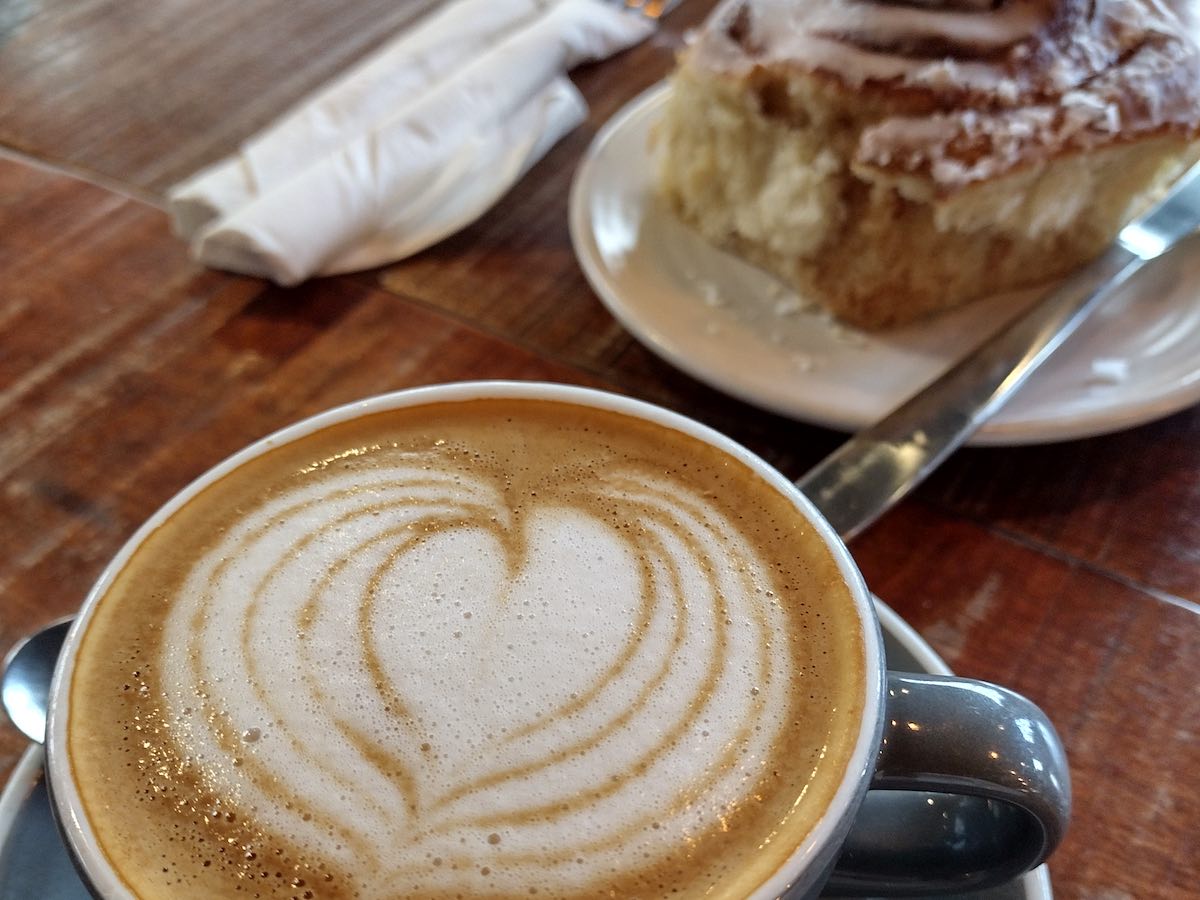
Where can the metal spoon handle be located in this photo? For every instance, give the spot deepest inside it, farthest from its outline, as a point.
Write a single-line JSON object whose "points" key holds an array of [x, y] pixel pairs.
{"points": [[863, 478]]}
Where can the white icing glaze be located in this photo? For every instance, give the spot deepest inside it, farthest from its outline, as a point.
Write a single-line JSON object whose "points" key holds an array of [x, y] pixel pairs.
{"points": [[1022, 81]]}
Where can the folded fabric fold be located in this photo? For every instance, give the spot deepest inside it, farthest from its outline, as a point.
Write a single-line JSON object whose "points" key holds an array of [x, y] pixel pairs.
{"points": [[347, 106], [411, 146], [323, 220]]}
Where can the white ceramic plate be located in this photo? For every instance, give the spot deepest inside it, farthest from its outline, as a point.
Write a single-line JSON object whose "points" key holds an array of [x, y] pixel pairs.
{"points": [[34, 863], [737, 329]]}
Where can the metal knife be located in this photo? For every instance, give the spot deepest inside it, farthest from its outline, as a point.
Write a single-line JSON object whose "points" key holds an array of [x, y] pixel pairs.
{"points": [[864, 477]]}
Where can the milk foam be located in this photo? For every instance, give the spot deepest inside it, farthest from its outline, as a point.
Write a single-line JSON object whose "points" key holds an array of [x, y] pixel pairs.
{"points": [[473, 650], [417, 685]]}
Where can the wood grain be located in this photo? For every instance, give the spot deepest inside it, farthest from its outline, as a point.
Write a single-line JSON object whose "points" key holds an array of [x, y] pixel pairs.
{"points": [[1113, 666], [1070, 572], [144, 92], [1123, 503], [128, 371]]}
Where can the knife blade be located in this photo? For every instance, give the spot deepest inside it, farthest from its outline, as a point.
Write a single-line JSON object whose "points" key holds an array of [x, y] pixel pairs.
{"points": [[866, 476]]}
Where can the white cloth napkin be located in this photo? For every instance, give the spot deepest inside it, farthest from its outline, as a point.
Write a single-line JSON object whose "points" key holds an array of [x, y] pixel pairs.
{"points": [[410, 146]]}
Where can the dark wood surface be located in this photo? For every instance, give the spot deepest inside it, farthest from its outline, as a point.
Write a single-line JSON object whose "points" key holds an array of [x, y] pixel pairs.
{"points": [[1070, 572]]}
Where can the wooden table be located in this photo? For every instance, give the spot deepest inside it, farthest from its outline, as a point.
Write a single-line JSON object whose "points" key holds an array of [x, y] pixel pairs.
{"points": [[1069, 572]]}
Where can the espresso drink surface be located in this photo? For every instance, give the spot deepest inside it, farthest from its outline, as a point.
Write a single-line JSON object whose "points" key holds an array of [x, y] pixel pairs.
{"points": [[495, 648]]}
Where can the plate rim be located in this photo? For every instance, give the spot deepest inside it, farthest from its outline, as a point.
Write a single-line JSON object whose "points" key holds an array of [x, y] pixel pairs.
{"points": [[22, 780], [1101, 419]]}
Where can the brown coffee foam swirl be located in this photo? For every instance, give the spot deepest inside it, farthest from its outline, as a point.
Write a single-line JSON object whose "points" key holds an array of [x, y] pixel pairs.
{"points": [[328, 731], [961, 92], [323, 592]]}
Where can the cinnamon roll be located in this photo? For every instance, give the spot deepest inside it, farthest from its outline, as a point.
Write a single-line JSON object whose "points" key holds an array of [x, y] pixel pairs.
{"points": [[892, 158]]}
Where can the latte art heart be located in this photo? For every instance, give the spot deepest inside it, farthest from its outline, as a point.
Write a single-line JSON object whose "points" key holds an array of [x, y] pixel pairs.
{"points": [[451, 670]]}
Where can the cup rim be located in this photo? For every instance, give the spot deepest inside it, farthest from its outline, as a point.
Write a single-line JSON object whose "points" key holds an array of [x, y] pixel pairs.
{"points": [[827, 832]]}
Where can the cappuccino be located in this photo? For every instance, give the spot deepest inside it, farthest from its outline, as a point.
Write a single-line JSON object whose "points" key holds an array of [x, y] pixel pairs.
{"points": [[487, 648]]}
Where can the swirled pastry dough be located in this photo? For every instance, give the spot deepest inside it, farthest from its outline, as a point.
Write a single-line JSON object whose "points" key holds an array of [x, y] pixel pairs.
{"points": [[1034, 127]]}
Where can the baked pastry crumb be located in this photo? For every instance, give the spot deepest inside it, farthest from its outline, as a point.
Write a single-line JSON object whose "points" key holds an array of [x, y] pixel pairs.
{"points": [[827, 141]]}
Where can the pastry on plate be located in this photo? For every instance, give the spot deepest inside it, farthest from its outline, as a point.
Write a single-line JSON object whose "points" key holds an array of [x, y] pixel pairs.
{"points": [[892, 159]]}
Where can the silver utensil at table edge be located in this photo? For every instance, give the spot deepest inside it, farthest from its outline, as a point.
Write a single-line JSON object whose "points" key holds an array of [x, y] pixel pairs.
{"points": [[25, 678], [866, 476]]}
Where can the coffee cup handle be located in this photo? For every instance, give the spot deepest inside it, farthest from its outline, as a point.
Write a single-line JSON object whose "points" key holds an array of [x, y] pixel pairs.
{"points": [[971, 789]]}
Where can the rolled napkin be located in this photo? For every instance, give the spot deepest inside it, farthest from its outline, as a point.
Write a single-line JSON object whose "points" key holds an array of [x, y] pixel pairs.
{"points": [[348, 106], [406, 149]]}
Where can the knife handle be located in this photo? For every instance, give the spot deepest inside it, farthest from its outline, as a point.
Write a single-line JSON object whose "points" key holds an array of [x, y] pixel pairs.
{"points": [[863, 478]]}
